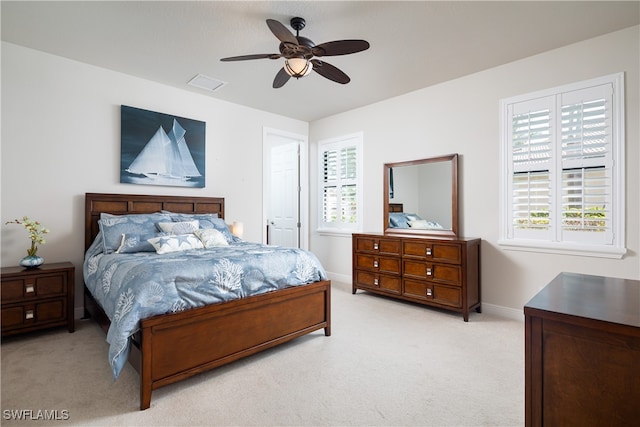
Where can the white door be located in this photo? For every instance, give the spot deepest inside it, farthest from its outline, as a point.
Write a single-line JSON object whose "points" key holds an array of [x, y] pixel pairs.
{"points": [[285, 201], [285, 196]]}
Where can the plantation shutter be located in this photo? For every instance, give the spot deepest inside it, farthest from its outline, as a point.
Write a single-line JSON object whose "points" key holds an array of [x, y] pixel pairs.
{"points": [[563, 149], [330, 189], [348, 201], [339, 184], [531, 142], [587, 165]]}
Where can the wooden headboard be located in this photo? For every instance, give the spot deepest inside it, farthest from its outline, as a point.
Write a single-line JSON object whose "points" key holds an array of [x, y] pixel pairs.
{"points": [[122, 204], [396, 207]]}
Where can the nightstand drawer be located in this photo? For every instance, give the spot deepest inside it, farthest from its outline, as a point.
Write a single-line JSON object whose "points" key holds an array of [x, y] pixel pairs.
{"points": [[33, 287], [39, 313]]}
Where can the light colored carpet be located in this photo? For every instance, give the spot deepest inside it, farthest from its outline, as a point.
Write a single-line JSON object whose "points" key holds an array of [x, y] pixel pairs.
{"points": [[387, 363]]}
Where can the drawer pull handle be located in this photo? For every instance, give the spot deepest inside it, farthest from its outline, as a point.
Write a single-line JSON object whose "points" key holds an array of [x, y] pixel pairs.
{"points": [[28, 315], [429, 292], [30, 289], [375, 246], [375, 264], [429, 251], [428, 272], [375, 282]]}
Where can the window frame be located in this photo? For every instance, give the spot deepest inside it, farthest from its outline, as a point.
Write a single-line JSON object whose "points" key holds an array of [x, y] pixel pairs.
{"points": [[337, 143], [549, 245]]}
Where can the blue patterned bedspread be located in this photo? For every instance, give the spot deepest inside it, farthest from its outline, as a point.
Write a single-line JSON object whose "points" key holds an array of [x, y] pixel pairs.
{"points": [[130, 287]]}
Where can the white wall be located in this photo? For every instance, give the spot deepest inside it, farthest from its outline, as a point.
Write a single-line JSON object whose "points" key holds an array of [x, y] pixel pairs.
{"points": [[462, 116], [61, 138]]}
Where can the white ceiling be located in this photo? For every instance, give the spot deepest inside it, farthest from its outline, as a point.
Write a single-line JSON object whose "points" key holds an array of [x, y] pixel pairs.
{"points": [[414, 44]]}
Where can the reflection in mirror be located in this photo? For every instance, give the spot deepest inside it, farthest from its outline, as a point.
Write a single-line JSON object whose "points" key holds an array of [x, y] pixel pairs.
{"points": [[421, 196]]}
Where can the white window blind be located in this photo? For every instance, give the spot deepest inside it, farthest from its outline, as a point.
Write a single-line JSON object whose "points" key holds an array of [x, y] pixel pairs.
{"points": [[587, 166], [341, 177], [563, 154]]}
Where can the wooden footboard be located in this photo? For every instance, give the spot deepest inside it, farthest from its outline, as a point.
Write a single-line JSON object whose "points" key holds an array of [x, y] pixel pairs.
{"points": [[222, 333]]}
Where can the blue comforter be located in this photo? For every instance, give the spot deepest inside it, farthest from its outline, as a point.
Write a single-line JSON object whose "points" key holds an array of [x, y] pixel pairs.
{"points": [[131, 287]]}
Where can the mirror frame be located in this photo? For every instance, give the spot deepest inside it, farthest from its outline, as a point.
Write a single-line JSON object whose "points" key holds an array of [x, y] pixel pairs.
{"points": [[453, 158]]}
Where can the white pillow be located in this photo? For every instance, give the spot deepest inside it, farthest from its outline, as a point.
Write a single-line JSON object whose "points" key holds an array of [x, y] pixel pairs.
{"points": [[175, 243], [211, 237], [182, 227]]}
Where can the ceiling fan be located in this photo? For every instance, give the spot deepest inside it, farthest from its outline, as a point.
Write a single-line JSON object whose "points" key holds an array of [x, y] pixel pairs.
{"points": [[300, 54]]}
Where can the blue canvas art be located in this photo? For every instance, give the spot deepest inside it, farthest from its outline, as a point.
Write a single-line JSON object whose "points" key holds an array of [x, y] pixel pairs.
{"points": [[160, 149]]}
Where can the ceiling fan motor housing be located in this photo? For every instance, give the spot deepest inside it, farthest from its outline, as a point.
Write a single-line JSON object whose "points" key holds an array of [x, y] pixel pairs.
{"points": [[298, 23]]}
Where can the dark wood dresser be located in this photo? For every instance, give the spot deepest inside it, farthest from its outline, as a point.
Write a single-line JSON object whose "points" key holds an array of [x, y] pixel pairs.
{"points": [[582, 352], [37, 298], [439, 272]]}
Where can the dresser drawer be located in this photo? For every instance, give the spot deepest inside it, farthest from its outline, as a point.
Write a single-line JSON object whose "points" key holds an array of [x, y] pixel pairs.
{"points": [[443, 273], [43, 286], [445, 295], [38, 313], [379, 281], [382, 246], [377, 263], [433, 251]]}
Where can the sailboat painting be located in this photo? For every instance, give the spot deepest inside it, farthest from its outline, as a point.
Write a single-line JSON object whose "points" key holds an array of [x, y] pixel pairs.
{"points": [[160, 149]]}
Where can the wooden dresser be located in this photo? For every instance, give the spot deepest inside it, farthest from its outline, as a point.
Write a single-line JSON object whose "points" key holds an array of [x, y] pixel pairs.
{"points": [[582, 352], [37, 298], [439, 272]]}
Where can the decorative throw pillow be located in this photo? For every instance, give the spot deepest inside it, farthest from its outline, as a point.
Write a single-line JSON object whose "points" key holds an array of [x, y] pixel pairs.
{"points": [[182, 227], [132, 243], [211, 237], [175, 243], [207, 221], [113, 227]]}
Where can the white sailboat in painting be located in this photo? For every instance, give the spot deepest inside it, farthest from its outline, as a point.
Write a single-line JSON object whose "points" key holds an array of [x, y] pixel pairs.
{"points": [[165, 157]]}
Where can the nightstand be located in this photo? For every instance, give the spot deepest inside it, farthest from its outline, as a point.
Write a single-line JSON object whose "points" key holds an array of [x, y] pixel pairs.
{"points": [[37, 298]]}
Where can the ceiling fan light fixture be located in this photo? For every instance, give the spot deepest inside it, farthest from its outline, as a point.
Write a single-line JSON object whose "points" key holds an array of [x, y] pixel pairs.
{"points": [[298, 67]]}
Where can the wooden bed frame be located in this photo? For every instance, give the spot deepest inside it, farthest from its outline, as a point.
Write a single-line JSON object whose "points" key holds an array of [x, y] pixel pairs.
{"points": [[217, 334]]}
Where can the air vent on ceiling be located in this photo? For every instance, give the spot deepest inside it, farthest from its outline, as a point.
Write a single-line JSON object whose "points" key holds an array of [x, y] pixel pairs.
{"points": [[207, 83]]}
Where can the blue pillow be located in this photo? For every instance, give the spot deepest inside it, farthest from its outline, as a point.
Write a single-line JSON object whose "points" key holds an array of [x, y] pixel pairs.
{"points": [[181, 217], [113, 227]]}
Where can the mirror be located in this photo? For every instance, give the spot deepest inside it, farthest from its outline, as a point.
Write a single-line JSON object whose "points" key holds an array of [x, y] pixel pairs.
{"points": [[421, 196]]}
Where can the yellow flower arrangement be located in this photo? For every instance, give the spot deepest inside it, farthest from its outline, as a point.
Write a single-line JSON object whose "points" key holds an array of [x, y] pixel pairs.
{"points": [[36, 233]]}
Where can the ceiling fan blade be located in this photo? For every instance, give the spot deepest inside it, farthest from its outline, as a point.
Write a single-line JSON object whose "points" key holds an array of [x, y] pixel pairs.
{"points": [[340, 47], [255, 56], [281, 78], [329, 71], [281, 32]]}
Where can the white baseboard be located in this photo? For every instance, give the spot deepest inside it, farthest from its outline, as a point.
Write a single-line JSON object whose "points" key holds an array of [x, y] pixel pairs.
{"points": [[344, 281], [508, 312], [341, 279]]}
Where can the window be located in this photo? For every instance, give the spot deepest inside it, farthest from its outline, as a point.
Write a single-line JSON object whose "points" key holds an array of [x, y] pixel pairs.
{"points": [[341, 184], [563, 157]]}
